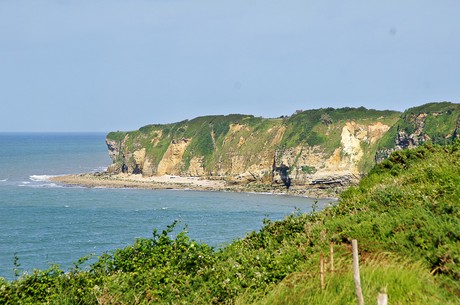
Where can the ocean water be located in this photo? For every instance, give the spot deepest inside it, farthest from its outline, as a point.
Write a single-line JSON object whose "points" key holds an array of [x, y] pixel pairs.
{"points": [[44, 223]]}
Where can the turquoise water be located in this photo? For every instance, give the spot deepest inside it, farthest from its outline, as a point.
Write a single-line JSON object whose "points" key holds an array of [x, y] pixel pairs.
{"points": [[44, 223]]}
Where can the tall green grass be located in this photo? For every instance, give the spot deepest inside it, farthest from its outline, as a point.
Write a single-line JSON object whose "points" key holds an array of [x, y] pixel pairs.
{"points": [[403, 281]]}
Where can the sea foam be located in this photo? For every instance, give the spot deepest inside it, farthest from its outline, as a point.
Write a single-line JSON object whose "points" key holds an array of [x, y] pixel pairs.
{"points": [[40, 178], [40, 181], [100, 169]]}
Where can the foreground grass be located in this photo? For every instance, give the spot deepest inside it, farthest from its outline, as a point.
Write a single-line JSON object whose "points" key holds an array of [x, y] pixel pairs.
{"points": [[403, 281], [405, 215]]}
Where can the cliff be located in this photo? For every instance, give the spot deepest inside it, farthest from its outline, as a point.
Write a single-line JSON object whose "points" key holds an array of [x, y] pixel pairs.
{"points": [[438, 123], [323, 147]]}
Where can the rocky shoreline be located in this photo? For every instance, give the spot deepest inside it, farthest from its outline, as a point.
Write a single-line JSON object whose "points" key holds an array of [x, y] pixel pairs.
{"points": [[108, 180]]}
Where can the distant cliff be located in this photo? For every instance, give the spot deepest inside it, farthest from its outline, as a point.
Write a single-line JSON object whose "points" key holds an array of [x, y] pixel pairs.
{"points": [[314, 147], [438, 123]]}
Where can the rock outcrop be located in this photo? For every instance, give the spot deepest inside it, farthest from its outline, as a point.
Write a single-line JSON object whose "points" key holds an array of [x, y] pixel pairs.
{"points": [[438, 123]]}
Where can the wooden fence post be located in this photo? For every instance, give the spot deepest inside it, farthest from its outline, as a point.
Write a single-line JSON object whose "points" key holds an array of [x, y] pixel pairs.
{"points": [[359, 292], [321, 270], [332, 256], [382, 299]]}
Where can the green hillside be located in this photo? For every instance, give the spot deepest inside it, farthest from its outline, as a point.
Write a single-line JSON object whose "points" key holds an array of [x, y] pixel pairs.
{"points": [[323, 126], [435, 122], [405, 215]]}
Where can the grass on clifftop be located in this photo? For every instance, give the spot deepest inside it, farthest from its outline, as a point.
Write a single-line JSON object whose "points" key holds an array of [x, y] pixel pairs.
{"points": [[405, 215], [440, 123], [324, 126]]}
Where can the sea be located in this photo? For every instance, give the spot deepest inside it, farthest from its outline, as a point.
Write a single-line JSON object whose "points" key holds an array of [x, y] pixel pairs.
{"points": [[43, 223]]}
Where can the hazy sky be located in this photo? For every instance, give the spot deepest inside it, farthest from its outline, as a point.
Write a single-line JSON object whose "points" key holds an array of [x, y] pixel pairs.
{"points": [[101, 65]]}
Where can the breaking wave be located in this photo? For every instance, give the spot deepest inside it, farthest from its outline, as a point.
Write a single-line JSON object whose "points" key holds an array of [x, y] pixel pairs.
{"points": [[100, 169], [40, 178]]}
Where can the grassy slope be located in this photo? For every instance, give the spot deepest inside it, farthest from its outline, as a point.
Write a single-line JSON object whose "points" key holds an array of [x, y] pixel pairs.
{"points": [[405, 215], [408, 206], [437, 127], [324, 126]]}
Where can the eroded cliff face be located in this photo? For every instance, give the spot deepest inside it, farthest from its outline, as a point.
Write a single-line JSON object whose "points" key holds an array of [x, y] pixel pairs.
{"points": [[315, 147], [354, 138], [170, 164], [247, 149], [312, 165], [438, 123], [415, 138]]}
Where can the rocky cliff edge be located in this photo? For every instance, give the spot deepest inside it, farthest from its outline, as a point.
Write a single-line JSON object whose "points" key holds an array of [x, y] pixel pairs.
{"points": [[324, 148]]}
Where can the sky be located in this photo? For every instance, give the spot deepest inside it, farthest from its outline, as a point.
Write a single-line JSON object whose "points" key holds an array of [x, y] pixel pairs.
{"points": [[105, 65]]}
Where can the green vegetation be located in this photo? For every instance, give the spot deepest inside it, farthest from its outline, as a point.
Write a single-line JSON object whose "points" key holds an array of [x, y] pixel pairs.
{"points": [[404, 282], [438, 121], [205, 132], [408, 204], [117, 136], [405, 215], [433, 107], [324, 126], [300, 129], [308, 169]]}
